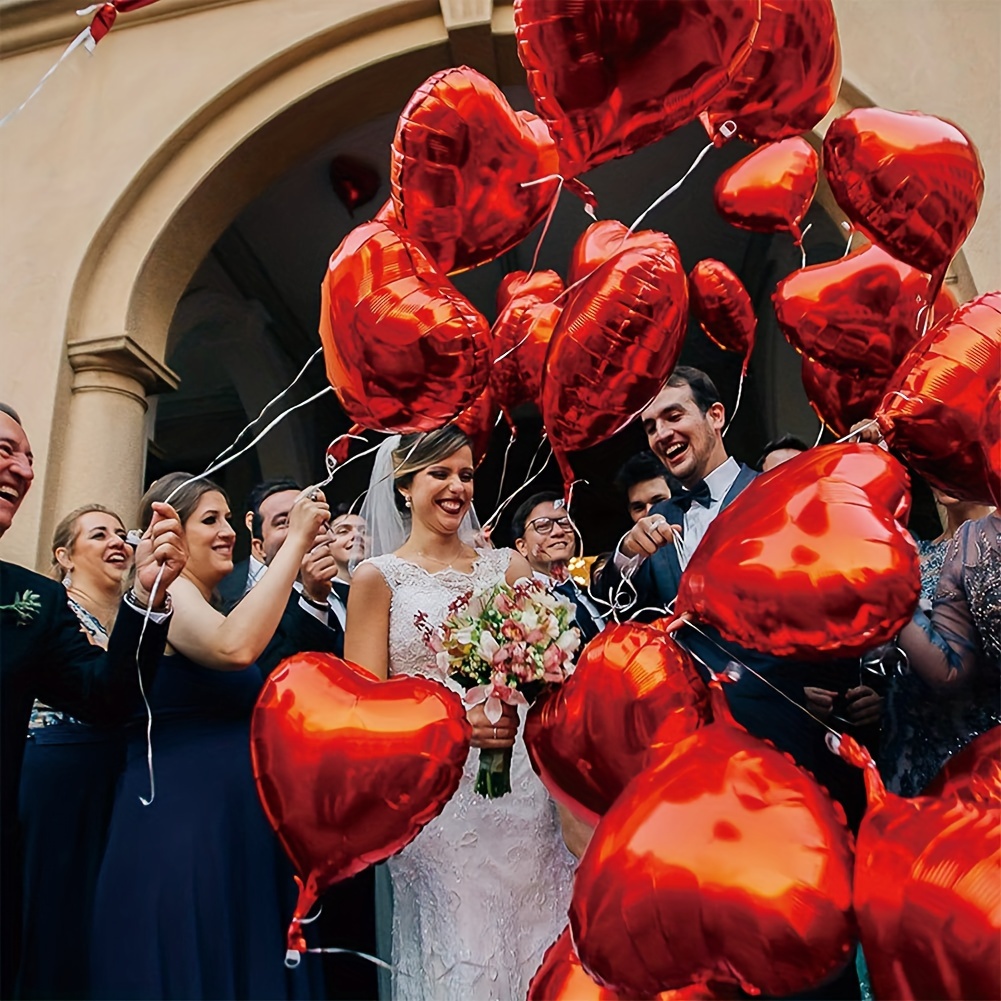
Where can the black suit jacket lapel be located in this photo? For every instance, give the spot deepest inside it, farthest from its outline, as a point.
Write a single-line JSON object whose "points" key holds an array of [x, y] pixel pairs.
{"points": [[744, 477], [664, 563]]}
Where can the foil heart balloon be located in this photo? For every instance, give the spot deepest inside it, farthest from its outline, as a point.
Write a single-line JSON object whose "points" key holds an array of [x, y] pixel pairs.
{"points": [[633, 688], [477, 422], [990, 435], [912, 182], [562, 978], [526, 317], [350, 768], [612, 76], [723, 308], [404, 350], [771, 188], [945, 303], [934, 404], [459, 158], [928, 891], [975, 770], [840, 400], [789, 81], [600, 241], [859, 315], [826, 523], [725, 861], [615, 343]]}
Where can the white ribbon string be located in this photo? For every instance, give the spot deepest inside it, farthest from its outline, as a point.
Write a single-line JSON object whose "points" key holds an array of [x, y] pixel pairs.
{"points": [[820, 434], [503, 475], [736, 406], [802, 249], [490, 521], [545, 228]]}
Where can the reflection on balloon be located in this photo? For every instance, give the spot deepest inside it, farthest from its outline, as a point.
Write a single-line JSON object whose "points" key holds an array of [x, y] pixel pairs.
{"points": [[477, 423], [912, 182], [770, 189], [725, 862], [827, 523], [404, 350], [859, 315], [723, 308], [612, 76], [840, 400], [350, 768], [634, 690], [973, 773], [933, 409], [791, 78]]}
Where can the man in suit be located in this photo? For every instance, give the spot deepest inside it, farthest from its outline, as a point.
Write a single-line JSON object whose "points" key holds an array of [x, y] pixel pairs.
{"points": [[544, 534], [44, 654], [645, 482]]}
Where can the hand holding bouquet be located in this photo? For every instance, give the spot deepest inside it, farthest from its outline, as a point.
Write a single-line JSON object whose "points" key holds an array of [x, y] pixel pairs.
{"points": [[504, 644]]}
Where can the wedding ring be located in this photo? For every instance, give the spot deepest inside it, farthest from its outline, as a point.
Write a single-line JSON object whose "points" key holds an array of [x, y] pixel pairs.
{"points": [[495, 733], [313, 495]]}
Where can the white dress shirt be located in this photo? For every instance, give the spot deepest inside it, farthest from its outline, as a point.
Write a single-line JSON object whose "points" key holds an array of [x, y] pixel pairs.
{"points": [[696, 522]]}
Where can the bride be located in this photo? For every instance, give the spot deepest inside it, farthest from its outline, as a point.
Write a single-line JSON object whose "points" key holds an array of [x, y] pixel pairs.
{"points": [[483, 890]]}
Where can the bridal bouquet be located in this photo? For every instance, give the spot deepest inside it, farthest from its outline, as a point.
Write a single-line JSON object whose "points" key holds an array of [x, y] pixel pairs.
{"points": [[504, 644]]}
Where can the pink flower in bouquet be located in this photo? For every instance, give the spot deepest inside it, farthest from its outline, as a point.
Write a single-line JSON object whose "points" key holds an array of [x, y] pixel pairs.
{"points": [[503, 603], [512, 629], [552, 663], [492, 695]]}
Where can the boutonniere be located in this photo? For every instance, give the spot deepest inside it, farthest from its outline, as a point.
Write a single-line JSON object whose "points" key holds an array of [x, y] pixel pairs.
{"points": [[25, 606]]}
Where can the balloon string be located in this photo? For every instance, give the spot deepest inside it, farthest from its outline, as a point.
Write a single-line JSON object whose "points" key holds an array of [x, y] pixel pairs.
{"points": [[736, 406], [545, 229], [531, 477], [503, 475], [674, 187], [142, 690], [802, 249], [851, 234], [820, 434]]}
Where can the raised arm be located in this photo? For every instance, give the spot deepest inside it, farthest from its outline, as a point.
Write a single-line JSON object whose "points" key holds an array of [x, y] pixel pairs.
{"points": [[366, 642], [231, 642]]}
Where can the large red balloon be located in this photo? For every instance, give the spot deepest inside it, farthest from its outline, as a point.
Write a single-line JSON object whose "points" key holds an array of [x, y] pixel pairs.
{"points": [[477, 422], [934, 404], [824, 524], [600, 241], [840, 400], [990, 435], [460, 157], [722, 306], [791, 78], [526, 317], [973, 773], [726, 861], [612, 76], [771, 188], [859, 315], [350, 768], [912, 182], [614, 345], [928, 892], [633, 688], [405, 351], [562, 978]]}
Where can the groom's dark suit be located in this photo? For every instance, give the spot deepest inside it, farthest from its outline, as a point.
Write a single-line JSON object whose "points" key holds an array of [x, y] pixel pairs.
{"points": [[44, 654]]}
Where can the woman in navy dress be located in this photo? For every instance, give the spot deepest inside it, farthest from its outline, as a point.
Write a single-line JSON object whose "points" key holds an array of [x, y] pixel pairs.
{"points": [[195, 893]]}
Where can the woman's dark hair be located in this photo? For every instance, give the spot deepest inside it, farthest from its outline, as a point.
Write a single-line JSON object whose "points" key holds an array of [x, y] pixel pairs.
{"points": [[704, 391], [421, 449], [184, 501]]}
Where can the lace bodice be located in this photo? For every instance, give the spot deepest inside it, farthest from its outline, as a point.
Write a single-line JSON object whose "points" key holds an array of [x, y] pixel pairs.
{"points": [[483, 890]]}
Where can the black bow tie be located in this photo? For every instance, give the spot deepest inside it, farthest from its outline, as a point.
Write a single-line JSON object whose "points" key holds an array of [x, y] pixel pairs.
{"points": [[700, 494], [341, 589]]}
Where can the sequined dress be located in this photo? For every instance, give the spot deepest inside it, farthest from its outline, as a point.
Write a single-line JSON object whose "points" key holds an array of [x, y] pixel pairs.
{"points": [[483, 890]]}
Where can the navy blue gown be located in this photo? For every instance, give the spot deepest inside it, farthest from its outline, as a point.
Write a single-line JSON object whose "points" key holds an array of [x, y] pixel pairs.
{"points": [[195, 892]]}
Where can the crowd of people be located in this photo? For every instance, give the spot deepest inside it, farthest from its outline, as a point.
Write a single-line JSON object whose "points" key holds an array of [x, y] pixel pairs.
{"points": [[139, 877]]}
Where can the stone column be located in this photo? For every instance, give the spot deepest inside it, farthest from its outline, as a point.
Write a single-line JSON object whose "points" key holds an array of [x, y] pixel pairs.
{"points": [[105, 436]]}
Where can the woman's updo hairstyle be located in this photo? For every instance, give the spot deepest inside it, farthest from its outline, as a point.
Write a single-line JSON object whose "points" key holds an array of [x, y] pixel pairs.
{"points": [[421, 449], [68, 531], [183, 502]]}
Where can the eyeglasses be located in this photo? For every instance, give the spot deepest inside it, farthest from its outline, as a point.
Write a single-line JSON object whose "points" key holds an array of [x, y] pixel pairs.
{"points": [[545, 525]]}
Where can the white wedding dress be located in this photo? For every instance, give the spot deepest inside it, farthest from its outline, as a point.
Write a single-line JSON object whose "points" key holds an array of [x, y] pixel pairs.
{"points": [[483, 890]]}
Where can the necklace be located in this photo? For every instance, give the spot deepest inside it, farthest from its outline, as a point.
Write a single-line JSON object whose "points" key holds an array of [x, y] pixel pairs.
{"points": [[440, 562]]}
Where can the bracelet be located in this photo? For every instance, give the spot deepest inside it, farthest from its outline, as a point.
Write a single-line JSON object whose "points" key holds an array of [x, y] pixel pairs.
{"points": [[322, 605], [132, 600]]}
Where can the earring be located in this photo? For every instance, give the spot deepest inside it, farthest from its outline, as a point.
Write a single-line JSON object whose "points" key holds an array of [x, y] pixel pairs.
{"points": [[67, 580], [408, 502]]}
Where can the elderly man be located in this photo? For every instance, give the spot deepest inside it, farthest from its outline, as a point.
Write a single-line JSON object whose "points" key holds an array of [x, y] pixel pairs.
{"points": [[45, 655]]}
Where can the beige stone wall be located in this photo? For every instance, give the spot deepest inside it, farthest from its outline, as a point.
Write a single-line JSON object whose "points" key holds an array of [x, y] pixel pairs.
{"points": [[110, 194]]}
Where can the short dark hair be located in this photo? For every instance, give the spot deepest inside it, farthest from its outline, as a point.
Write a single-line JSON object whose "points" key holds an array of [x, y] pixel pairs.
{"points": [[785, 441], [704, 390], [339, 510], [259, 494], [525, 508], [6, 408], [641, 467]]}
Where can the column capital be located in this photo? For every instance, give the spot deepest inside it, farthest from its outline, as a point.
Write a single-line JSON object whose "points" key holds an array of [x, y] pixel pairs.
{"points": [[121, 355]]}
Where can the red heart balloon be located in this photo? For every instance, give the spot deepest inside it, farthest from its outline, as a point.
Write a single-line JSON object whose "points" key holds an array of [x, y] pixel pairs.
{"points": [[526, 318], [614, 345], [927, 881], [791, 78], [405, 351], [723, 308], [840, 400], [600, 241], [974, 771], [990, 435], [934, 403], [913, 182], [460, 156], [725, 861], [477, 422], [633, 688], [945, 303], [824, 524], [350, 768], [771, 188], [859, 315], [562, 978], [612, 76]]}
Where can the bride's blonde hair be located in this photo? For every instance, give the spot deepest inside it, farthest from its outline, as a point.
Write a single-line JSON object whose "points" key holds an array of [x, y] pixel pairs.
{"points": [[421, 449]]}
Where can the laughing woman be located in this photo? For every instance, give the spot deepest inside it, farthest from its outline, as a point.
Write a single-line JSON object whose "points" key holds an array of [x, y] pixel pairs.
{"points": [[195, 892]]}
